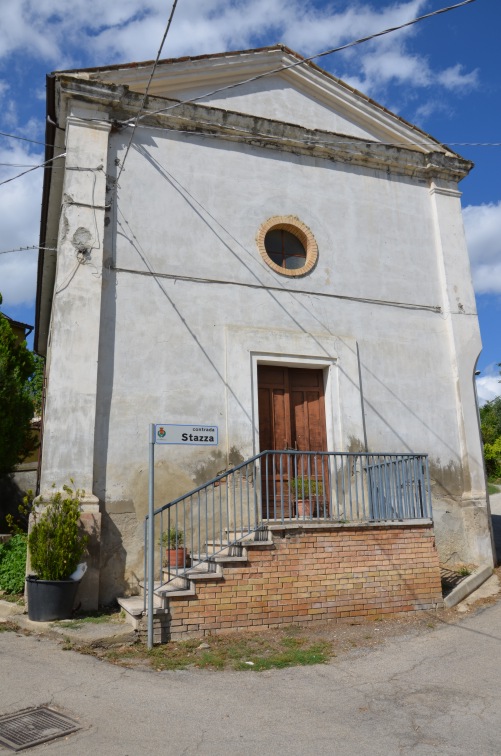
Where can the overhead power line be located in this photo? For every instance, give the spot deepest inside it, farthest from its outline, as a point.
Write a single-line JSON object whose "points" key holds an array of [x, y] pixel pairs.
{"points": [[140, 115], [298, 62], [313, 142], [26, 249], [23, 139], [145, 95], [34, 168], [346, 140], [18, 165]]}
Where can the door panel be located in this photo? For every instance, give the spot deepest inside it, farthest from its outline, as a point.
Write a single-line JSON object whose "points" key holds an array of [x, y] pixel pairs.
{"points": [[291, 416]]}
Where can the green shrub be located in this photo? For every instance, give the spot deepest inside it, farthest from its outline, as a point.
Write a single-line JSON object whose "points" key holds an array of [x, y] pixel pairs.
{"points": [[172, 538], [13, 564], [56, 541], [304, 487], [492, 454]]}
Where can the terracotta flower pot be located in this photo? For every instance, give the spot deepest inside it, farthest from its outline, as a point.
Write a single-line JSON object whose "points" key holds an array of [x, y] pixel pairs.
{"points": [[175, 557], [305, 507]]}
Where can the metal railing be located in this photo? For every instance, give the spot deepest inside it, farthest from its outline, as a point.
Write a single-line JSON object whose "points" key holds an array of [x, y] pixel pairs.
{"points": [[285, 487]]}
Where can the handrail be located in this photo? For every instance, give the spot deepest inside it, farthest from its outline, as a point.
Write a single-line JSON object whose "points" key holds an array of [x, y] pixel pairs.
{"points": [[284, 486], [234, 469]]}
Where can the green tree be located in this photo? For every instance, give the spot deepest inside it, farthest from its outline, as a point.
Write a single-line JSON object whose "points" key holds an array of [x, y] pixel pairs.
{"points": [[16, 405], [35, 384], [492, 454], [490, 420]]}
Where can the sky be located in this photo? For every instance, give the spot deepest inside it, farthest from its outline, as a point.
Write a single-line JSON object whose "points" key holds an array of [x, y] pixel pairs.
{"points": [[442, 74]]}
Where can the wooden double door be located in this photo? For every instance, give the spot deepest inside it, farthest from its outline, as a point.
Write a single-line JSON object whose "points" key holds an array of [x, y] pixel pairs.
{"points": [[291, 417]]}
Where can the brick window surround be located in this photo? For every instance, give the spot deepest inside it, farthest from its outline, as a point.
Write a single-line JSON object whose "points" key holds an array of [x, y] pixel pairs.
{"points": [[296, 227]]}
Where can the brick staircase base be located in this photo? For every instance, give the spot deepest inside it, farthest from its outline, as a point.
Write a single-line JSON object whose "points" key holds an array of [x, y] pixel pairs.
{"points": [[304, 573]]}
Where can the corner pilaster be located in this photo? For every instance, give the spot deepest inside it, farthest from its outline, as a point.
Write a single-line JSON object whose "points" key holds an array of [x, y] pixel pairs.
{"points": [[68, 444]]}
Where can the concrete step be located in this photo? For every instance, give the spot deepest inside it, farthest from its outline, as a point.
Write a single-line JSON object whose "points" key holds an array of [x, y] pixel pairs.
{"points": [[167, 591], [259, 544], [224, 548], [133, 607], [179, 587], [221, 558], [245, 537], [202, 571], [175, 581]]}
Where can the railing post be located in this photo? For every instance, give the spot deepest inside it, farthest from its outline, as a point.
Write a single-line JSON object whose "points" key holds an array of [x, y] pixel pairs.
{"points": [[151, 533]]}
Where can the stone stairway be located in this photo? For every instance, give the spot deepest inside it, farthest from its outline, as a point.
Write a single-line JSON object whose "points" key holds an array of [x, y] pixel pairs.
{"points": [[183, 584], [296, 573]]}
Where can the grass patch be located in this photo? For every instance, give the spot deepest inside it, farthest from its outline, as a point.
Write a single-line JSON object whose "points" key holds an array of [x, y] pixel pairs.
{"points": [[91, 618], [13, 598], [7, 627], [238, 651], [493, 488]]}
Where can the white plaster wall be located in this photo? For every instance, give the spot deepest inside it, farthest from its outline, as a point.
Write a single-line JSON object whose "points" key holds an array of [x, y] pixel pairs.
{"points": [[196, 215], [183, 351], [374, 230], [276, 98]]}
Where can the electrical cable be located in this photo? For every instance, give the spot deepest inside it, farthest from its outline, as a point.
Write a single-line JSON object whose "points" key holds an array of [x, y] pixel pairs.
{"points": [[41, 165], [25, 249], [300, 62], [145, 95], [344, 140], [264, 287], [18, 165], [24, 139]]}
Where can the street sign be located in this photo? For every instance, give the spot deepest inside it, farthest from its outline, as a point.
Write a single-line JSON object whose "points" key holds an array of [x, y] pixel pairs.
{"points": [[186, 435]]}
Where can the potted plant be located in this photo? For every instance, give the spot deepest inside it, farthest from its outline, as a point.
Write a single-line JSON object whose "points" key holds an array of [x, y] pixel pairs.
{"points": [[175, 553], [56, 544], [305, 491]]}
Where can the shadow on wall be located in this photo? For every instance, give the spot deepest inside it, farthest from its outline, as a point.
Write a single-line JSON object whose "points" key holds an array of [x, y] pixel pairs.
{"points": [[112, 581]]}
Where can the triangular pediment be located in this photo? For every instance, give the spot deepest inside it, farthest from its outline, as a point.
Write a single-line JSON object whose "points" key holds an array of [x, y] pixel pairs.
{"points": [[303, 94]]}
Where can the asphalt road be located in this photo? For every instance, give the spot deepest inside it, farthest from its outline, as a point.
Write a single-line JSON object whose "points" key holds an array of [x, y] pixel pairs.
{"points": [[437, 693]]}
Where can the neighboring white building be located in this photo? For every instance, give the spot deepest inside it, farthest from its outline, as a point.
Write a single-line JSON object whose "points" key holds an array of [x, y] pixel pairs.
{"points": [[162, 301]]}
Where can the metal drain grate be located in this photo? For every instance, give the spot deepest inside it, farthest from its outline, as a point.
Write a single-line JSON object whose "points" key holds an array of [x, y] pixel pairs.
{"points": [[30, 727]]}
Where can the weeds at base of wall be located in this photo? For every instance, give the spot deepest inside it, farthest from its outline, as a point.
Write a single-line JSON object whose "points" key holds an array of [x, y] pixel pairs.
{"points": [[8, 627], [100, 617], [239, 652], [277, 648]]}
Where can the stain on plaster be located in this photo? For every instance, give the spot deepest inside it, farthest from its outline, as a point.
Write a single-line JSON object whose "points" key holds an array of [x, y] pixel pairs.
{"points": [[446, 480], [171, 481], [209, 468], [235, 457], [355, 445], [82, 239]]}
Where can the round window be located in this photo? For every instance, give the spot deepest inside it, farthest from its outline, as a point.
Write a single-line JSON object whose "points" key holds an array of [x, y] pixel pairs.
{"points": [[287, 245]]}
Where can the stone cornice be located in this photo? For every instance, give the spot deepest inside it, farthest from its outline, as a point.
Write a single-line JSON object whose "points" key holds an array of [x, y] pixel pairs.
{"points": [[121, 105], [210, 72]]}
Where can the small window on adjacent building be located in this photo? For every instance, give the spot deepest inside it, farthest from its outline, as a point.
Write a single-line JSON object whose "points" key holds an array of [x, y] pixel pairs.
{"points": [[287, 245]]}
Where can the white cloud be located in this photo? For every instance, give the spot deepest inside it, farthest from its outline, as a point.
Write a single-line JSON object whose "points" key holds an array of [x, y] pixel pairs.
{"points": [[488, 385], [454, 78], [59, 36], [19, 221], [429, 108], [483, 236], [131, 30]]}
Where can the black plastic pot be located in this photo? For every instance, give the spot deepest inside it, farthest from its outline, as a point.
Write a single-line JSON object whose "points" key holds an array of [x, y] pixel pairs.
{"points": [[50, 599]]}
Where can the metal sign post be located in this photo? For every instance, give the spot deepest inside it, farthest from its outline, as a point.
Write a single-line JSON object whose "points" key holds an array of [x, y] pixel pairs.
{"points": [[151, 534], [199, 434]]}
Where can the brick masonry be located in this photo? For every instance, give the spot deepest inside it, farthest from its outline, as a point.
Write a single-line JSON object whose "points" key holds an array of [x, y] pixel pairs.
{"points": [[317, 575]]}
